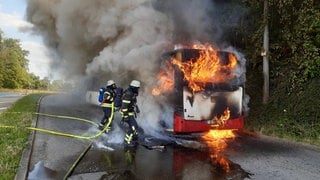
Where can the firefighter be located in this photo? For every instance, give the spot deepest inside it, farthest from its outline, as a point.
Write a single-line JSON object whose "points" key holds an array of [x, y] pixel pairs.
{"points": [[129, 109], [107, 105]]}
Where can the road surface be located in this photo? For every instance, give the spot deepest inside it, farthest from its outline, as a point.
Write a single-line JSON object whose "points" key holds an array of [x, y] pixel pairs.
{"points": [[258, 157], [7, 99]]}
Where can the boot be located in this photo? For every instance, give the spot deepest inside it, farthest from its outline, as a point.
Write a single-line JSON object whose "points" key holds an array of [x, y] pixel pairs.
{"points": [[101, 126]]}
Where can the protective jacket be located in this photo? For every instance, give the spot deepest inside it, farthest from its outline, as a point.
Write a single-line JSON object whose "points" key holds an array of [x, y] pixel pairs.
{"points": [[108, 109], [129, 103], [128, 110], [108, 98]]}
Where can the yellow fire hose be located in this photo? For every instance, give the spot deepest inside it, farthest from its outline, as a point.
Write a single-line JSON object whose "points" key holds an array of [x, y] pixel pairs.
{"points": [[66, 134], [61, 133], [77, 161]]}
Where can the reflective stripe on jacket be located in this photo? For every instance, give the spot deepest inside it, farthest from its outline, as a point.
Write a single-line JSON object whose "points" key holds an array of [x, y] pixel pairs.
{"points": [[108, 98], [129, 101]]}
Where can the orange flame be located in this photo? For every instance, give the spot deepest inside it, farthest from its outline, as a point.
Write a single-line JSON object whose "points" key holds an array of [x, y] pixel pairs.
{"points": [[215, 140], [223, 118], [215, 134], [207, 68], [165, 80]]}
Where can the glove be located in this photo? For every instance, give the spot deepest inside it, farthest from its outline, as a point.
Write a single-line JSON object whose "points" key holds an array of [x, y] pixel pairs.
{"points": [[137, 109]]}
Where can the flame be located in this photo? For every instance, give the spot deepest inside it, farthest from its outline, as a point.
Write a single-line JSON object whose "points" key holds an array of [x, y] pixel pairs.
{"points": [[207, 68], [165, 80], [223, 118], [215, 140], [215, 134]]}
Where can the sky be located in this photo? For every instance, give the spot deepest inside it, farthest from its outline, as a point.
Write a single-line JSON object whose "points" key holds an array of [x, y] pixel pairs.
{"points": [[12, 20]]}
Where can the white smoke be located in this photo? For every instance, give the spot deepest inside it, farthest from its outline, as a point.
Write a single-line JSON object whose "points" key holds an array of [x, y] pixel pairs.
{"points": [[120, 40]]}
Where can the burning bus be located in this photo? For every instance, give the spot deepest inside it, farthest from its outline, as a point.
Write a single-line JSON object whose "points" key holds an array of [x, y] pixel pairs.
{"points": [[206, 87]]}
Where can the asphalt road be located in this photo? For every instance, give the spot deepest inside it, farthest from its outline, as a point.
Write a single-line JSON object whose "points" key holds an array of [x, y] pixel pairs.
{"points": [[52, 156], [273, 158], [7, 99]]}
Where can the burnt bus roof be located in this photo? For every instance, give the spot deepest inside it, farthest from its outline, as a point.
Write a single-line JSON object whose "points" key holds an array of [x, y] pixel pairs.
{"points": [[192, 54]]}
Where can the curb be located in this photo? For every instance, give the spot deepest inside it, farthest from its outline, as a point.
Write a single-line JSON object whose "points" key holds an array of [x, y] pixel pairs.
{"points": [[24, 164]]}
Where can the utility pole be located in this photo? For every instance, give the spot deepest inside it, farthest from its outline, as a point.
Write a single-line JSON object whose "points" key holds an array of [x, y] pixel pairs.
{"points": [[265, 54]]}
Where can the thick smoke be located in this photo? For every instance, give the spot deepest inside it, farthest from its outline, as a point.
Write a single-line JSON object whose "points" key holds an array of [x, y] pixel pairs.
{"points": [[97, 40]]}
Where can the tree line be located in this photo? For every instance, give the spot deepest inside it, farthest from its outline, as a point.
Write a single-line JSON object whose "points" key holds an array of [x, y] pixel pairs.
{"points": [[14, 68], [294, 65], [294, 33]]}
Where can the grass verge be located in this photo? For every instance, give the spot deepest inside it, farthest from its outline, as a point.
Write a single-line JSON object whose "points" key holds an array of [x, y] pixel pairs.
{"points": [[14, 140]]}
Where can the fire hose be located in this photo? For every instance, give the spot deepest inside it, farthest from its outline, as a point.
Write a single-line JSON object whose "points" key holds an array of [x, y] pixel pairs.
{"points": [[66, 134], [61, 133], [77, 161]]}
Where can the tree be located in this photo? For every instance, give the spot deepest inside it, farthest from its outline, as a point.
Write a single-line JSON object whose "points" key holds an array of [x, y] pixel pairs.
{"points": [[56, 85], [45, 83], [13, 64], [14, 73], [294, 40]]}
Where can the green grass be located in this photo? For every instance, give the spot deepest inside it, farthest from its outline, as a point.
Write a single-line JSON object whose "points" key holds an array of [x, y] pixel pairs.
{"points": [[14, 140]]}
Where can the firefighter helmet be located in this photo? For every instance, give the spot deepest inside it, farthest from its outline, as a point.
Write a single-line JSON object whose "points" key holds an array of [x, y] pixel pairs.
{"points": [[110, 83], [135, 83]]}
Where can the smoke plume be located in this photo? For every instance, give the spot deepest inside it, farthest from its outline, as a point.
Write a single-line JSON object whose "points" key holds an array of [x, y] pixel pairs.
{"points": [[97, 40]]}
